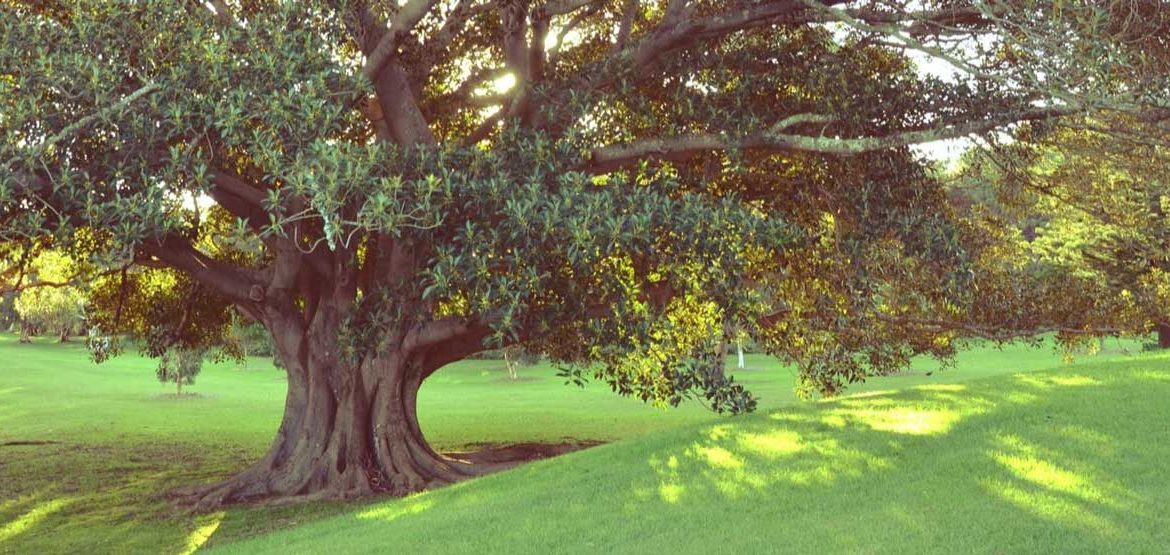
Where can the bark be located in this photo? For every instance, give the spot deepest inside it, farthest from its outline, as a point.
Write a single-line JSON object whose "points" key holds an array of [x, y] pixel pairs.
{"points": [[350, 428], [63, 337], [510, 363], [25, 333], [1163, 335]]}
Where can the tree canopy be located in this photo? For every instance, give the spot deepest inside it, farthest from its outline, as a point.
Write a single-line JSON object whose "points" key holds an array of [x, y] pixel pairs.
{"points": [[57, 304], [389, 187]]}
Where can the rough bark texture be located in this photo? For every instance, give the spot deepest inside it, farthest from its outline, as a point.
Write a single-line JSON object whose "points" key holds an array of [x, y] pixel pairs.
{"points": [[350, 428]]}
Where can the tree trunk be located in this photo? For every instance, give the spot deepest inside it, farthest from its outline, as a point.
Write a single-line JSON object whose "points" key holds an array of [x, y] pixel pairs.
{"points": [[739, 352], [350, 428], [179, 387], [25, 333], [1163, 335], [510, 365], [64, 336]]}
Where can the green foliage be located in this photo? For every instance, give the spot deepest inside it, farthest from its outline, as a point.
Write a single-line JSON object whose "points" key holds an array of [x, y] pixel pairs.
{"points": [[102, 482], [346, 205], [58, 306], [1095, 260], [180, 366], [247, 339]]}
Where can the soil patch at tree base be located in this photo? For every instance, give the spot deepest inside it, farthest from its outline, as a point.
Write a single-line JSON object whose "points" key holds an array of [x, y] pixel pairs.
{"points": [[518, 453]]}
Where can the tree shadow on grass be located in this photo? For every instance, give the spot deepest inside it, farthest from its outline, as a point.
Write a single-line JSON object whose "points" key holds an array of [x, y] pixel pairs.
{"points": [[1070, 461], [1039, 462], [68, 497]]}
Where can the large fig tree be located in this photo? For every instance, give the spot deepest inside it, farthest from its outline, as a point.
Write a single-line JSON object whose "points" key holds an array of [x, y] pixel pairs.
{"points": [[389, 187]]}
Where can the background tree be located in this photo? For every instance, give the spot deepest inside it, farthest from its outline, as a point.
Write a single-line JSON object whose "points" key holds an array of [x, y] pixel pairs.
{"points": [[56, 305], [1097, 202], [180, 366], [248, 339], [612, 182], [516, 356]]}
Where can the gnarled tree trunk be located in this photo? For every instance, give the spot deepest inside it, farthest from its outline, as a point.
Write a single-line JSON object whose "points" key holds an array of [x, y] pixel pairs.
{"points": [[350, 427]]}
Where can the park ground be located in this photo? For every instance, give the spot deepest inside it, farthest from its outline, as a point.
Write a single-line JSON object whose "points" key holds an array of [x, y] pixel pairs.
{"points": [[1011, 450]]}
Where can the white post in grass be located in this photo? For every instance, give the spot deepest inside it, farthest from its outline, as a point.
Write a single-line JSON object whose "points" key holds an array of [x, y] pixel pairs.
{"points": [[739, 351]]}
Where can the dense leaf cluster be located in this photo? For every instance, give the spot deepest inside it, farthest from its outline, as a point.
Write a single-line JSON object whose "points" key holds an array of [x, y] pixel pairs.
{"points": [[619, 185]]}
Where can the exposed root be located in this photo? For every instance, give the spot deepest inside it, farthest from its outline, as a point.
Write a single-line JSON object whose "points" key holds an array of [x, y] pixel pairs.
{"points": [[253, 486]]}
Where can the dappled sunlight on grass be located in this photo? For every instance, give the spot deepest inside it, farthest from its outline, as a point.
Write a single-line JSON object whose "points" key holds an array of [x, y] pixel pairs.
{"points": [[1050, 484], [206, 527], [1001, 465], [717, 457], [1091, 439], [850, 438], [906, 421], [669, 489], [1152, 375], [831, 460], [30, 518], [1024, 461], [1050, 507], [408, 506], [1021, 397], [1048, 381], [947, 387], [910, 471], [772, 443], [670, 492]]}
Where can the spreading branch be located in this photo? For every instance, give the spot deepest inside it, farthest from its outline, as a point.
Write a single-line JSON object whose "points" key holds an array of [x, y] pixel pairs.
{"points": [[680, 147], [403, 23]]}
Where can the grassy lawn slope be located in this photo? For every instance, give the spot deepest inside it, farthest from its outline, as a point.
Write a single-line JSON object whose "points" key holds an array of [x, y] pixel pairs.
{"points": [[1055, 461], [109, 440]]}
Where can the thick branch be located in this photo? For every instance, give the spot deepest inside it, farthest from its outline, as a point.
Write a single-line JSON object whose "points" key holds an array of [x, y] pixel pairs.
{"points": [[404, 21], [239, 198], [563, 7], [447, 342], [398, 108], [234, 283], [680, 147]]}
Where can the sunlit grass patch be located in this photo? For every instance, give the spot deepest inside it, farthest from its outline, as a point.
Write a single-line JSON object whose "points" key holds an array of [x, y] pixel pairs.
{"points": [[31, 517], [876, 468], [924, 470]]}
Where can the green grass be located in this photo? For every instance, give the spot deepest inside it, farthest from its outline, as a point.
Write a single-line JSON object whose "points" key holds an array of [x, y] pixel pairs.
{"points": [[121, 443], [1060, 461]]}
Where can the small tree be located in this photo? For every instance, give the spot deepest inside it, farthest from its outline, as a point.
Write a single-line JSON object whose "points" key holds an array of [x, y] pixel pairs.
{"points": [[180, 366], [516, 356]]}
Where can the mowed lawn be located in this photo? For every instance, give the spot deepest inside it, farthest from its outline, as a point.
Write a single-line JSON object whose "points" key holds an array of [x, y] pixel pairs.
{"points": [[876, 471]]}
